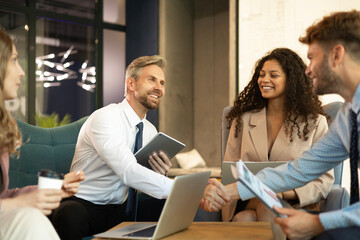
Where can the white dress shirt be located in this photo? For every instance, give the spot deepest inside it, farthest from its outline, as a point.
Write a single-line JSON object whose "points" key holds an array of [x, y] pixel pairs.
{"points": [[104, 151]]}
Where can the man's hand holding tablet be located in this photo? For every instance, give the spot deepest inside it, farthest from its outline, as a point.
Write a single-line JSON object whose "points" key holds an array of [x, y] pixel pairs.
{"points": [[160, 148]]}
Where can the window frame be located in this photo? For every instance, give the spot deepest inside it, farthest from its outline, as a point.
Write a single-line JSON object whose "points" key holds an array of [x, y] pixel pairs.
{"points": [[31, 14]]}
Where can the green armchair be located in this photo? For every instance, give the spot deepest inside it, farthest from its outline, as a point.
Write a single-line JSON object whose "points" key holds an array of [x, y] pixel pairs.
{"points": [[43, 148]]}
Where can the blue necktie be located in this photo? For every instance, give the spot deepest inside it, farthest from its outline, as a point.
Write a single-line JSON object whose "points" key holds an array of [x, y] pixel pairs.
{"points": [[354, 158], [132, 202]]}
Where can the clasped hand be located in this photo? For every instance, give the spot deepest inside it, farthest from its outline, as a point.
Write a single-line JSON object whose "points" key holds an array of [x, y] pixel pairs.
{"points": [[215, 196]]}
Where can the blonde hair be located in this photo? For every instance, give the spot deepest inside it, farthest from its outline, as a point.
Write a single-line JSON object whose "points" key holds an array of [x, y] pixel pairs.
{"points": [[10, 137], [134, 68]]}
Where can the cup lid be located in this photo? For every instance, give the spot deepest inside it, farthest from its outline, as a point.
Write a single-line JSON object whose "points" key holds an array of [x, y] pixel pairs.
{"points": [[50, 174]]}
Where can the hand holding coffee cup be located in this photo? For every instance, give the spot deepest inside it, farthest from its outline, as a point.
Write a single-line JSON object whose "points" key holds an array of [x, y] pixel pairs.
{"points": [[50, 179]]}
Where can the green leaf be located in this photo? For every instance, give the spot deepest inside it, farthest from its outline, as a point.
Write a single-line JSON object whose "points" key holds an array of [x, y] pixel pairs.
{"points": [[52, 120]]}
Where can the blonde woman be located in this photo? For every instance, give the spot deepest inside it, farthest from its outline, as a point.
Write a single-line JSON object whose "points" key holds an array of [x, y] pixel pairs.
{"points": [[22, 211]]}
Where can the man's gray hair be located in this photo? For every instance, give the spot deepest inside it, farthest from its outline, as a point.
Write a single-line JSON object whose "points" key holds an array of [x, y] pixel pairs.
{"points": [[134, 68]]}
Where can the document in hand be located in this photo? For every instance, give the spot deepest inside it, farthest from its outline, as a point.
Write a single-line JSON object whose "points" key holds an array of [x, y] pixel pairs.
{"points": [[259, 189], [160, 142]]}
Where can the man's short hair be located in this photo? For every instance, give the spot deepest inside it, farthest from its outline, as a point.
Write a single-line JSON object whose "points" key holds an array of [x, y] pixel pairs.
{"points": [[337, 28], [134, 68]]}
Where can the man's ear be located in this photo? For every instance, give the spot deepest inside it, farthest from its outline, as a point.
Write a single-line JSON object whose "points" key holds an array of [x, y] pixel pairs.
{"points": [[130, 84], [337, 55]]}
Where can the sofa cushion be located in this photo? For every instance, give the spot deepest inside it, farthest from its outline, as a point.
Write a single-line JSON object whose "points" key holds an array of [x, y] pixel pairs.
{"points": [[43, 148]]}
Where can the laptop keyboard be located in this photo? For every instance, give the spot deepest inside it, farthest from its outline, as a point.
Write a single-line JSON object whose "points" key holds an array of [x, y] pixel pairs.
{"points": [[147, 232]]}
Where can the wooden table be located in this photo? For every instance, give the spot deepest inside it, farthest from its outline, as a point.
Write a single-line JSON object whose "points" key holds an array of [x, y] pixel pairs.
{"points": [[221, 230]]}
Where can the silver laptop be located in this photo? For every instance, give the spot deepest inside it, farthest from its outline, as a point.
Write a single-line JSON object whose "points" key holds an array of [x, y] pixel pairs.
{"points": [[178, 212], [254, 167]]}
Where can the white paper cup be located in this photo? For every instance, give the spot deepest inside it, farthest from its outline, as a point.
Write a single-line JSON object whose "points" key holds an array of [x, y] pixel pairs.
{"points": [[50, 179]]}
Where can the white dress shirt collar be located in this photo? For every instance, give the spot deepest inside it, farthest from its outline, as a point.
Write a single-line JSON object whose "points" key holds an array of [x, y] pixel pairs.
{"points": [[130, 114]]}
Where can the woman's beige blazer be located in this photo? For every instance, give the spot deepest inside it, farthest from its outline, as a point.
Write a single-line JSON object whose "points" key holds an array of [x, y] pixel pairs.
{"points": [[251, 146]]}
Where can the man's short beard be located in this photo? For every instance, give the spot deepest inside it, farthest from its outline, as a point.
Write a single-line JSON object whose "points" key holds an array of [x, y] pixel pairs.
{"points": [[328, 81], [147, 104]]}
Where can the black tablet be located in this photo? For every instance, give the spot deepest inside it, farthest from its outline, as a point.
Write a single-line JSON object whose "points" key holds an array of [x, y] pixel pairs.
{"points": [[160, 142]]}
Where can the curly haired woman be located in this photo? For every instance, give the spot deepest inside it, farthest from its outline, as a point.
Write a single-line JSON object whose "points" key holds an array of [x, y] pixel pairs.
{"points": [[275, 118], [22, 211]]}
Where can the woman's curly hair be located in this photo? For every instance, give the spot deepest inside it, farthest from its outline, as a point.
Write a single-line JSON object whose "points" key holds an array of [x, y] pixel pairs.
{"points": [[301, 104], [10, 137]]}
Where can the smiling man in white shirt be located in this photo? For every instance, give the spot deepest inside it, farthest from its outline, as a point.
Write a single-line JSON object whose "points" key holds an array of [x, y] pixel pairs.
{"points": [[104, 151]]}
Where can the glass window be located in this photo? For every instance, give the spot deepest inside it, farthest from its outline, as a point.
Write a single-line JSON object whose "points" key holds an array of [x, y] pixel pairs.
{"points": [[114, 11], [83, 8], [65, 75], [265, 25], [65, 68], [15, 26]]}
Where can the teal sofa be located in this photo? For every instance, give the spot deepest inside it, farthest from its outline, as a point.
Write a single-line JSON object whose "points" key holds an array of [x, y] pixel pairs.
{"points": [[43, 148], [53, 148]]}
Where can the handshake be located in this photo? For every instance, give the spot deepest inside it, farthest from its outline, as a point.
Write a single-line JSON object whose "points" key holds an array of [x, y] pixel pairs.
{"points": [[216, 195]]}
